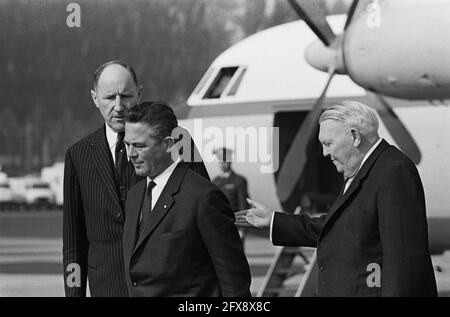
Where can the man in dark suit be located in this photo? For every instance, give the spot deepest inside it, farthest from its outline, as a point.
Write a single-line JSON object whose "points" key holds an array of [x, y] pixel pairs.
{"points": [[97, 177], [179, 236], [373, 241]]}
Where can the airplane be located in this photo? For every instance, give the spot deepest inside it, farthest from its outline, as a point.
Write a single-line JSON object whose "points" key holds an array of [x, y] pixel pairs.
{"points": [[268, 90]]}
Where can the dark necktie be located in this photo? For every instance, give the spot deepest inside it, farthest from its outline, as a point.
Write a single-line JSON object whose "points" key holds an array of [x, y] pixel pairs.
{"points": [[121, 153], [146, 206], [121, 164]]}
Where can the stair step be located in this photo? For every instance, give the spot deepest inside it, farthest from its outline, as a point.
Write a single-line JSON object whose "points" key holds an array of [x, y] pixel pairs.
{"points": [[293, 251], [289, 270], [277, 290]]}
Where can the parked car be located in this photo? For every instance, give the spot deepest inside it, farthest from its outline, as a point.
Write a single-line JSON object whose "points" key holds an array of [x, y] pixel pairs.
{"points": [[6, 196], [32, 192]]}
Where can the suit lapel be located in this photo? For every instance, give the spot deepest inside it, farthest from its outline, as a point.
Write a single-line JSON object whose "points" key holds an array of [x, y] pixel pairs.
{"points": [[164, 202], [132, 213], [357, 181], [103, 162]]}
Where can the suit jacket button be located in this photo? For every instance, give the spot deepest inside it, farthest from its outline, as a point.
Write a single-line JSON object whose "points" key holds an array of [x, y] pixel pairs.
{"points": [[134, 284], [321, 269], [118, 215]]}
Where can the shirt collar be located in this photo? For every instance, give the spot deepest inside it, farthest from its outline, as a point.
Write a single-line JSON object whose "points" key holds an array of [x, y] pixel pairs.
{"points": [[161, 179], [367, 156], [225, 174], [111, 136], [370, 151]]}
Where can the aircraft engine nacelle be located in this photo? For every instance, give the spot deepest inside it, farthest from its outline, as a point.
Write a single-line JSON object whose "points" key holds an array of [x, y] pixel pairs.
{"points": [[401, 52]]}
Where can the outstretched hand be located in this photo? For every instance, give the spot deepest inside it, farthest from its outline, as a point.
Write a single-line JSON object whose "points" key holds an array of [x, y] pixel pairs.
{"points": [[258, 216]]}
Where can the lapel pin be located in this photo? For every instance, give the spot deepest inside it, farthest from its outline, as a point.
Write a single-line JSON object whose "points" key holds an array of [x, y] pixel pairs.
{"points": [[165, 206]]}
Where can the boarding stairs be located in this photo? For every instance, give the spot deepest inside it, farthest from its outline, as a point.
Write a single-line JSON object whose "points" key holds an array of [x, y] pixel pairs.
{"points": [[292, 273]]}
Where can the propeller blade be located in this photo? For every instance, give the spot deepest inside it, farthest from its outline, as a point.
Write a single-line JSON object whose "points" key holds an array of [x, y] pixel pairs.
{"points": [[297, 156], [350, 13], [396, 128], [356, 9], [314, 16]]}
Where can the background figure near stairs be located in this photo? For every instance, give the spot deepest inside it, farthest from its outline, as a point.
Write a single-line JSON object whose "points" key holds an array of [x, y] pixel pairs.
{"points": [[233, 185]]}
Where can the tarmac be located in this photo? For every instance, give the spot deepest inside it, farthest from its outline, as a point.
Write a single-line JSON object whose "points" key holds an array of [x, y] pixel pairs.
{"points": [[31, 257]]}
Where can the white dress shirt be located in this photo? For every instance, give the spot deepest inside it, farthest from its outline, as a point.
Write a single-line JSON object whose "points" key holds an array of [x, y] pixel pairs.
{"points": [[111, 137], [349, 181], [161, 181], [225, 174]]}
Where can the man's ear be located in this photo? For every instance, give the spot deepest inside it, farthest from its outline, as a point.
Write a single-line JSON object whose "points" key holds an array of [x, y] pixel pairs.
{"points": [[356, 136], [169, 142], [94, 98], [140, 89]]}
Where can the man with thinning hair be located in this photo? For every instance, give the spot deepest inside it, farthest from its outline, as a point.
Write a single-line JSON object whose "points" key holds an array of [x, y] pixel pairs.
{"points": [[374, 239]]}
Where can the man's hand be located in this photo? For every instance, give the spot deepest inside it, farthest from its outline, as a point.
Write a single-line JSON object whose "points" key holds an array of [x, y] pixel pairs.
{"points": [[258, 216]]}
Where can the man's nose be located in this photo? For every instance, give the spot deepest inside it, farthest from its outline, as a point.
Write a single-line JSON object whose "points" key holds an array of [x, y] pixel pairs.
{"points": [[325, 151], [131, 152], [119, 103]]}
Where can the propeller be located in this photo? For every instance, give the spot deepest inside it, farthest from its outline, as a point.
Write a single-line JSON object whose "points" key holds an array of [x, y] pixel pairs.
{"points": [[328, 56], [350, 13], [313, 15], [395, 127]]}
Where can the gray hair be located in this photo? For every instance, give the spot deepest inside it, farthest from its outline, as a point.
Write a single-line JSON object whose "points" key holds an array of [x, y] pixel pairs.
{"points": [[354, 114]]}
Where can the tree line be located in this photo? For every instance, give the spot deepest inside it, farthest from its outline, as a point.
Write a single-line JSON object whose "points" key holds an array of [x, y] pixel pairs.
{"points": [[47, 67]]}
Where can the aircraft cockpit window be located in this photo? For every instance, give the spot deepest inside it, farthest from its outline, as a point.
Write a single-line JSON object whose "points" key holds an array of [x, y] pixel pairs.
{"points": [[237, 83], [220, 82], [203, 81]]}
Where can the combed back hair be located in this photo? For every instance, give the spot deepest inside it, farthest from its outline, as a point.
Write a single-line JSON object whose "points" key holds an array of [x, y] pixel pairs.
{"points": [[355, 114], [100, 70], [157, 114]]}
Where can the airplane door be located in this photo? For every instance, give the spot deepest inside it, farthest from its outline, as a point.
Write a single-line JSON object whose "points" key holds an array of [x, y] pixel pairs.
{"points": [[320, 182]]}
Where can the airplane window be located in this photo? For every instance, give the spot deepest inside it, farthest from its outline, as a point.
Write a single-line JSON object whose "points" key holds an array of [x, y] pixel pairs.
{"points": [[203, 81], [237, 83], [220, 82]]}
